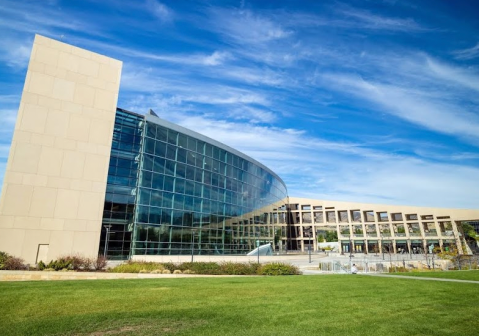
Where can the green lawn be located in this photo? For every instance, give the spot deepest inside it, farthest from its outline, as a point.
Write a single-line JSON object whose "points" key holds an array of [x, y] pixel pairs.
{"points": [[461, 275], [288, 305]]}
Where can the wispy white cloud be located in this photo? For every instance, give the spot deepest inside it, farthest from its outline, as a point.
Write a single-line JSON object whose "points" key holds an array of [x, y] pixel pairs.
{"points": [[15, 53], [9, 116], [254, 76], [468, 53], [407, 181], [410, 105], [245, 26], [229, 98], [252, 114], [368, 20], [160, 10], [214, 58], [465, 77]]}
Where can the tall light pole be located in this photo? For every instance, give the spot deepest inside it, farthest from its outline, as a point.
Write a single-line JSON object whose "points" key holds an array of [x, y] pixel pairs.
{"points": [[257, 243], [192, 244], [382, 244], [309, 246], [107, 238], [350, 253]]}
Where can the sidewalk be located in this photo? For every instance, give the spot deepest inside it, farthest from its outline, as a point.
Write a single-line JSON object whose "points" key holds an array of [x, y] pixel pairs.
{"points": [[418, 278]]}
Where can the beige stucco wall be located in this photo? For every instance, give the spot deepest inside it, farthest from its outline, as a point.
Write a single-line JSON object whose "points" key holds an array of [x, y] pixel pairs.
{"points": [[55, 181]]}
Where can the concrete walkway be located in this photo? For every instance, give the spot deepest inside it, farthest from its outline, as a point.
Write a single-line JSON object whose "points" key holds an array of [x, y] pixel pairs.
{"points": [[417, 278]]}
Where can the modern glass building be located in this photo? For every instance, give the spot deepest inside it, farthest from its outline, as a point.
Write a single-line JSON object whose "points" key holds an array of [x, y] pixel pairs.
{"points": [[173, 191], [85, 177]]}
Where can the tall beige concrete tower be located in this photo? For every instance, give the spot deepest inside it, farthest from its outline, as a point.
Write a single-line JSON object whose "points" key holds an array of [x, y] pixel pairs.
{"points": [[54, 186]]}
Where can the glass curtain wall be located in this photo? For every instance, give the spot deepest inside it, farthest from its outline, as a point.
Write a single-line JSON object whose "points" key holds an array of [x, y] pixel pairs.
{"points": [[196, 197], [120, 197]]}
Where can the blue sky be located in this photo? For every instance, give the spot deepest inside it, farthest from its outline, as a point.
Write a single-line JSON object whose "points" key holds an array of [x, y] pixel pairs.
{"points": [[362, 101]]}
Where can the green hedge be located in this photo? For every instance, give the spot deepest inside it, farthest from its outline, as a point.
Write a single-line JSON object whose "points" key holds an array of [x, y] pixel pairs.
{"points": [[278, 269], [209, 268]]}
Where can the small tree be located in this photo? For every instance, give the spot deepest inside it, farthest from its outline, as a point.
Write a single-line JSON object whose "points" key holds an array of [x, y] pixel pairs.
{"points": [[331, 236], [469, 233], [450, 254]]}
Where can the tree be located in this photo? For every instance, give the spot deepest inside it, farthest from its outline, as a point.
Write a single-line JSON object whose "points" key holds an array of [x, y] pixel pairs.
{"points": [[469, 233], [331, 236]]}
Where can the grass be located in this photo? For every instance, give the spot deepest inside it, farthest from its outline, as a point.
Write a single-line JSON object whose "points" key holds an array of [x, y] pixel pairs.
{"points": [[290, 305], [459, 275]]}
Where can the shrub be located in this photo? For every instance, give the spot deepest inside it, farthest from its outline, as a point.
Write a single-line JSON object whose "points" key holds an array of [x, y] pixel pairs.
{"points": [[136, 267], [88, 264], [278, 269], [14, 264], [3, 257], [211, 268], [72, 262], [60, 263], [169, 266], [41, 265], [76, 262], [232, 268], [11, 263], [99, 263]]}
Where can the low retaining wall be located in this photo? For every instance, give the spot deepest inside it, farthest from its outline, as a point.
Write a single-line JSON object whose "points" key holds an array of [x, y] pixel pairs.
{"points": [[41, 275]]}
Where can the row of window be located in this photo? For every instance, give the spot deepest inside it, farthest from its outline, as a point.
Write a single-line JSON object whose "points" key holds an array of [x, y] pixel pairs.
{"points": [[355, 215], [183, 141], [199, 170], [182, 188]]}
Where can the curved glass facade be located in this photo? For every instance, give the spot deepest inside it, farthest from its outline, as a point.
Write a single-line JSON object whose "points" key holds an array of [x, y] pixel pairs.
{"points": [[193, 194]]}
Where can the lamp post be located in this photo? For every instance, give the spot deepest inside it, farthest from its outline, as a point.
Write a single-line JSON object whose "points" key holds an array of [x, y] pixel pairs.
{"points": [[192, 244], [350, 254], [389, 252], [107, 238], [309, 247], [257, 244], [382, 244]]}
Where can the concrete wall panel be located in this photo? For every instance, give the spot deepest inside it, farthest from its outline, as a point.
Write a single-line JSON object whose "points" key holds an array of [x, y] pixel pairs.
{"points": [[56, 173]]}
